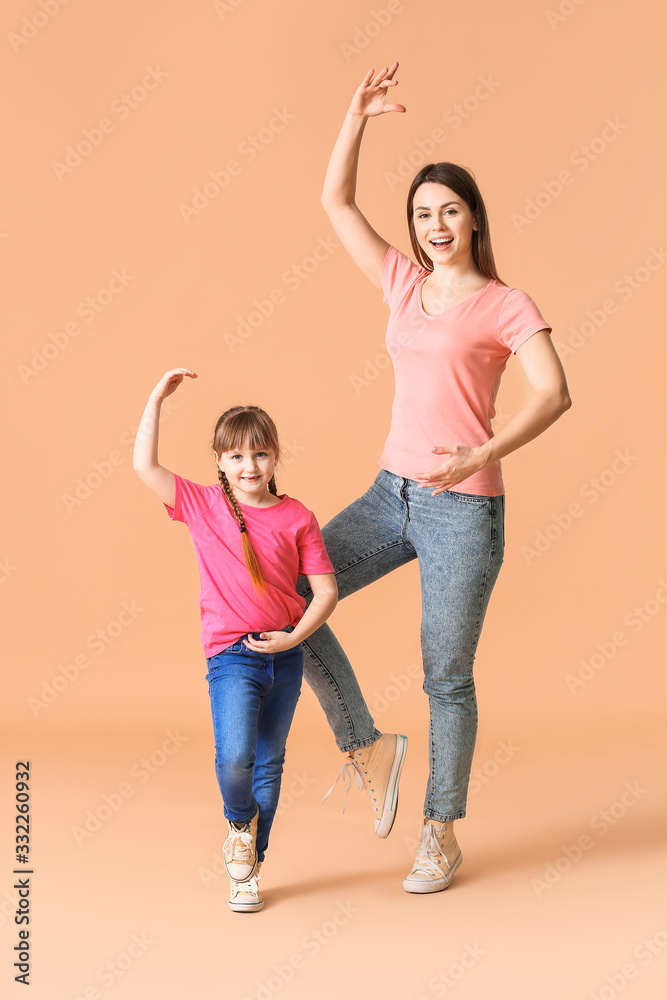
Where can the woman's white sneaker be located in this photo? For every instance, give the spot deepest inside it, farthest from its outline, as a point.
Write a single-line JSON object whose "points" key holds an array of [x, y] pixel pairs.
{"points": [[438, 857], [376, 769]]}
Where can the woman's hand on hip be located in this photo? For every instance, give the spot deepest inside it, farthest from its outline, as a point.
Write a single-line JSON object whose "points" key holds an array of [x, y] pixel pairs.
{"points": [[461, 463], [370, 97]]}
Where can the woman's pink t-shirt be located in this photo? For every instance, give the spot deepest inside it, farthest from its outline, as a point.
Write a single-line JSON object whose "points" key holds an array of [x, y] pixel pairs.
{"points": [[286, 539], [447, 369]]}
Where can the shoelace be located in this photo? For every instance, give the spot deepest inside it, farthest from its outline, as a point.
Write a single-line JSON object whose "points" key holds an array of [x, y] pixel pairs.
{"points": [[349, 774], [250, 886], [239, 845], [429, 848]]}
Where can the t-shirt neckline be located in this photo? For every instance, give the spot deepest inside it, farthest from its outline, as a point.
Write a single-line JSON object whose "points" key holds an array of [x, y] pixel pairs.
{"points": [[249, 506], [451, 308]]}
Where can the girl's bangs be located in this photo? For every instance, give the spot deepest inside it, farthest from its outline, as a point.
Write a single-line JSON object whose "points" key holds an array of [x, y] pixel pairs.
{"points": [[243, 430]]}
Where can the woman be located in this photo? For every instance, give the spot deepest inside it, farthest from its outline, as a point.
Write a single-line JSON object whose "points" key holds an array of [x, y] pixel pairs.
{"points": [[439, 496]]}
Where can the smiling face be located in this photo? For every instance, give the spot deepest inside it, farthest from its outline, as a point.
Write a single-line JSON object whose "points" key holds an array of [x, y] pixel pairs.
{"points": [[248, 471], [444, 224]]}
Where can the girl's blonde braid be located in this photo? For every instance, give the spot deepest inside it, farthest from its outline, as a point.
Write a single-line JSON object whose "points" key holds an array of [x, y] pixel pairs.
{"points": [[248, 552]]}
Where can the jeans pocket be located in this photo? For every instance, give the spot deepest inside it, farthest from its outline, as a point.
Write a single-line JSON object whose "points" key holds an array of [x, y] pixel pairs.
{"points": [[213, 661], [473, 498]]}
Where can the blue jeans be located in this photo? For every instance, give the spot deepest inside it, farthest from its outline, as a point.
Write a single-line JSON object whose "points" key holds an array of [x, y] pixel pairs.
{"points": [[253, 698], [458, 540]]}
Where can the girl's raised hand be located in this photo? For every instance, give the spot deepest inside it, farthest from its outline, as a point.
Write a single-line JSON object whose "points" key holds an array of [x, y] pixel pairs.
{"points": [[170, 382], [369, 98]]}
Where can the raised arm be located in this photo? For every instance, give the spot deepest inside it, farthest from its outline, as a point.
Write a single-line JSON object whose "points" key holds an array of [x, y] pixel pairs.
{"points": [[159, 480], [366, 247]]}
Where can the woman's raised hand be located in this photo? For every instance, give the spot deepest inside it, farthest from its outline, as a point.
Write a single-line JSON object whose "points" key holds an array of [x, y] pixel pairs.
{"points": [[170, 382], [370, 97]]}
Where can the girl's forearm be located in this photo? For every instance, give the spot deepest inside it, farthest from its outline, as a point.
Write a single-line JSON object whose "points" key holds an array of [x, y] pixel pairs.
{"points": [[146, 442], [340, 182], [315, 615], [542, 409]]}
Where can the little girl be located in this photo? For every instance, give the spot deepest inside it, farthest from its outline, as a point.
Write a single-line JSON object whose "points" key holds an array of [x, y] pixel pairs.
{"points": [[251, 544]]}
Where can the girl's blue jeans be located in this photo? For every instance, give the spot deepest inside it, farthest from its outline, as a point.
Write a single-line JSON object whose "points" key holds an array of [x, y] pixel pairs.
{"points": [[253, 698], [458, 540]]}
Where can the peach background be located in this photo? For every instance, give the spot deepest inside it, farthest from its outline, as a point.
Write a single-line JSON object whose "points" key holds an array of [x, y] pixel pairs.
{"points": [[66, 574]]}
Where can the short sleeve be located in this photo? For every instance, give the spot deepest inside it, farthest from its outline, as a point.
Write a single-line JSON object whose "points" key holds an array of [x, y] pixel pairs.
{"points": [[192, 500], [398, 274], [313, 557], [519, 319]]}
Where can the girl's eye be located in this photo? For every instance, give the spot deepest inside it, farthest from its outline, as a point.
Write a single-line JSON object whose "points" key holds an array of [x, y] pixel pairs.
{"points": [[261, 454]]}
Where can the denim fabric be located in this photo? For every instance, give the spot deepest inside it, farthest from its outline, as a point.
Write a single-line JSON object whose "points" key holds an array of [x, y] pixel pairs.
{"points": [[253, 698], [458, 540]]}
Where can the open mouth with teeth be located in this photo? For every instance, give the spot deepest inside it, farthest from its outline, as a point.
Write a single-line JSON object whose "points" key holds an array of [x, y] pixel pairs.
{"points": [[442, 242]]}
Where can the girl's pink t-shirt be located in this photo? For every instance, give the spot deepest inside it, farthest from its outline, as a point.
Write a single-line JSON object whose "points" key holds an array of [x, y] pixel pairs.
{"points": [[447, 369], [287, 541]]}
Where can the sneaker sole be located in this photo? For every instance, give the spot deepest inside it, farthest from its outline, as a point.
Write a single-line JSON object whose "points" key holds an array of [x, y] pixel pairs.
{"points": [[384, 824], [434, 885], [246, 907]]}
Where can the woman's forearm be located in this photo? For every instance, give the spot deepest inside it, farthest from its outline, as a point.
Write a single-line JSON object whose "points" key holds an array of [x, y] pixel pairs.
{"points": [[340, 182], [543, 409]]}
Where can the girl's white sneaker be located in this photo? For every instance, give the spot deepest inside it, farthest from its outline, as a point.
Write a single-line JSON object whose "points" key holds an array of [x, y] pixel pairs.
{"points": [[240, 849], [245, 897]]}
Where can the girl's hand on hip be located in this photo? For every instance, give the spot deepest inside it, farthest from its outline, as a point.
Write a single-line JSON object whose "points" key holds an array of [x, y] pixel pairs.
{"points": [[369, 98], [462, 462], [270, 642], [170, 382]]}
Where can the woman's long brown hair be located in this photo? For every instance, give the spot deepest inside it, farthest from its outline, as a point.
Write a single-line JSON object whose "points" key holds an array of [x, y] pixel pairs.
{"points": [[463, 183]]}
